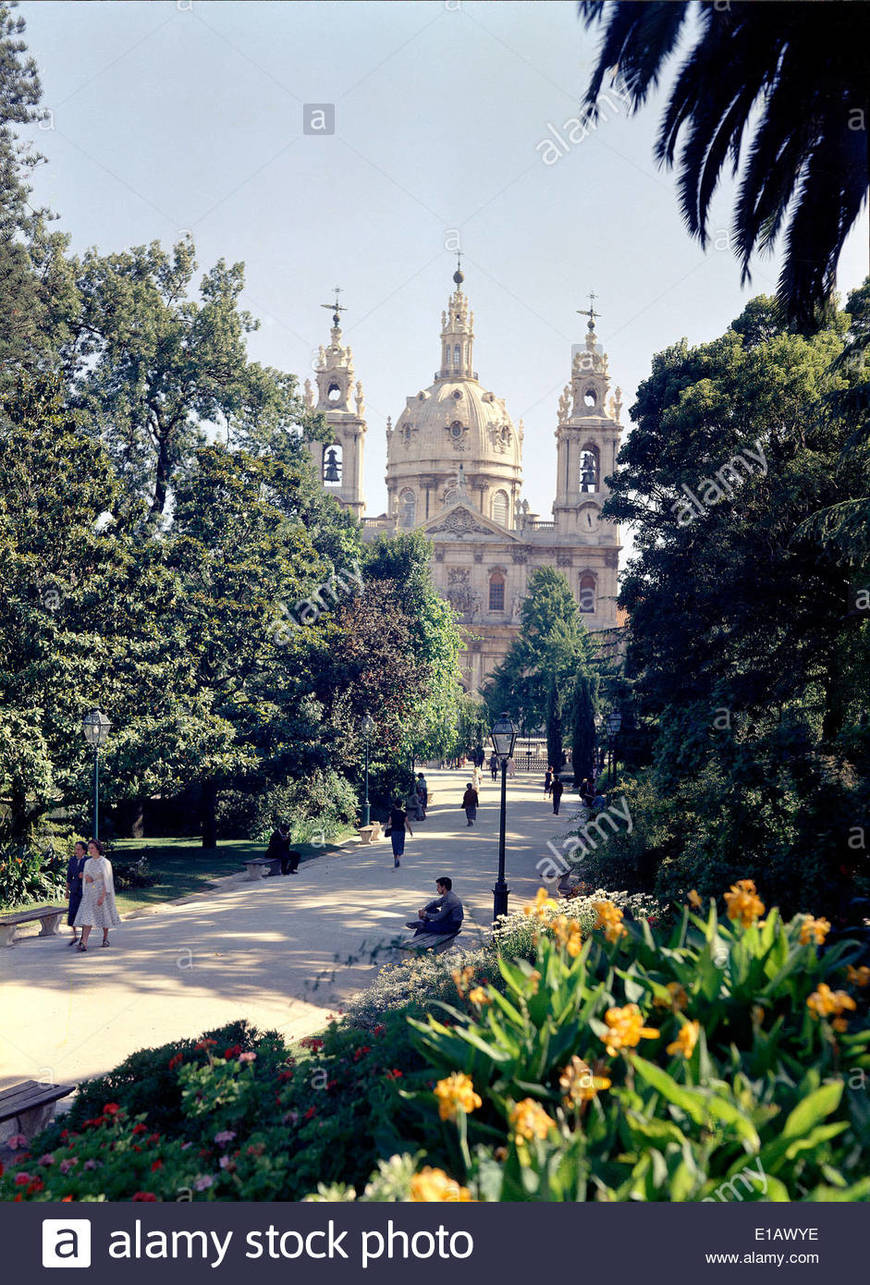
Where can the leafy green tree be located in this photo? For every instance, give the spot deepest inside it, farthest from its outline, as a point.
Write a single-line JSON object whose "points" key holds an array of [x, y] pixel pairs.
{"points": [[154, 368], [583, 709], [794, 77]]}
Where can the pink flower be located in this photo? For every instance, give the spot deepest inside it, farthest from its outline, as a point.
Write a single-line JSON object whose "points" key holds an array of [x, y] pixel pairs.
{"points": [[247, 1057], [47, 1159], [203, 1182], [89, 1164], [22, 1179], [17, 1141], [225, 1136], [225, 1162], [66, 1165]]}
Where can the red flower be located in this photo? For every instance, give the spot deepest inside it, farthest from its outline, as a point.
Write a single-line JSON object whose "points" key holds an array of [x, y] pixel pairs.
{"points": [[232, 1052], [394, 1074], [36, 1185], [176, 1060], [204, 1044], [64, 1133], [21, 1179], [153, 1137], [1, 1169], [111, 1108], [139, 1128], [144, 1195], [284, 1076], [64, 1199], [155, 1165], [360, 1051], [310, 1113], [379, 1029]]}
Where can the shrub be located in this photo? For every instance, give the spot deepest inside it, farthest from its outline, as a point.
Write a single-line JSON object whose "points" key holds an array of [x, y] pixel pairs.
{"points": [[28, 874], [317, 808], [132, 874]]}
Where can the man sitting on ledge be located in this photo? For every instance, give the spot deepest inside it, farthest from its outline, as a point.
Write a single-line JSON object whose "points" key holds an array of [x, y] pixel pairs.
{"points": [[443, 915]]}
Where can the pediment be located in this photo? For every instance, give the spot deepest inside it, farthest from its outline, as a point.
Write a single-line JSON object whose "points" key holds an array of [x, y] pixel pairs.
{"points": [[460, 520]]}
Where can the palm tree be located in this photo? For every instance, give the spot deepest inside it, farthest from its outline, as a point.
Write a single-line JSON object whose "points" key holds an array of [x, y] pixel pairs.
{"points": [[794, 77]]}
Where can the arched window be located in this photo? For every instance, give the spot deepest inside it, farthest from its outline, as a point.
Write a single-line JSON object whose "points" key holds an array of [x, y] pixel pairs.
{"points": [[500, 508], [496, 591], [589, 398], [407, 508], [587, 591], [333, 393], [451, 495], [457, 362], [589, 468], [331, 470]]}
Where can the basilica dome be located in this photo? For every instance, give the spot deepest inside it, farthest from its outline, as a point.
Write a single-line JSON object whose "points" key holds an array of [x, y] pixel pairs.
{"points": [[454, 433]]}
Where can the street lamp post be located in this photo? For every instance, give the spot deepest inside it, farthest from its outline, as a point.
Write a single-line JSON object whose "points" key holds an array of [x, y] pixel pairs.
{"points": [[614, 722], [367, 726], [96, 728], [503, 736]]}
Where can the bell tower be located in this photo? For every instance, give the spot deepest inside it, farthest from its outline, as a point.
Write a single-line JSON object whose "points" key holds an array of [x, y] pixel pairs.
{"points": [[340, 463], [587, 439]]}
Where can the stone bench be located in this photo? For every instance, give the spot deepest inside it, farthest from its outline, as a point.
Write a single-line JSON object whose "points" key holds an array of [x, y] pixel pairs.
{"points": [[50, 916], [260, 867], [436, 942], [31, 1105], [370, 833]]}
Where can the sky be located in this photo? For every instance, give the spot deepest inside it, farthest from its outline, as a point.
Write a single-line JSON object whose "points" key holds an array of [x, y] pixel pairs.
{"points": [[168, 118]]}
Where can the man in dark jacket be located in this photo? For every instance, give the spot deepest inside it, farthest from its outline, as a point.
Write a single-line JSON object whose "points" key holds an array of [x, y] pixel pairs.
{"points": [[557, 791], [444, 914], [279, 850], [470, 802]]}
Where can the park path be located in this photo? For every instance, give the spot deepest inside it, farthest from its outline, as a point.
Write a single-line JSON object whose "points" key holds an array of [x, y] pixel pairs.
{"points": [[283, 953]]}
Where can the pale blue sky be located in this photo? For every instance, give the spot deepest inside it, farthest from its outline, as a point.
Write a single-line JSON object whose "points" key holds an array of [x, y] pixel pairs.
{"points": [[169, 117]]}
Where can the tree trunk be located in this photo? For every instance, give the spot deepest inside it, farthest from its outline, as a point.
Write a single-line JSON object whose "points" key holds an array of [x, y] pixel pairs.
{"points": [[209, 815], [161, 479]]}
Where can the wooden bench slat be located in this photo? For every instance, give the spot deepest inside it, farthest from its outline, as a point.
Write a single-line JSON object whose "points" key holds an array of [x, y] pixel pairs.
{"points": [[30, 1094]]}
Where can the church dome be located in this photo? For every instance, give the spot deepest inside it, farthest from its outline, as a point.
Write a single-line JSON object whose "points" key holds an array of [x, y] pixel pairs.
{"points": [[454, 423]]}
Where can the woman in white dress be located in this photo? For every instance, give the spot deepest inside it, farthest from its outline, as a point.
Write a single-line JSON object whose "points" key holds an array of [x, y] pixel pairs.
{"points": [[98, 909]]}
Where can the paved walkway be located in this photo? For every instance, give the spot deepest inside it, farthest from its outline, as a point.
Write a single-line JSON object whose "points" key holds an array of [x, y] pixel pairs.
{"points": [[283, 953]]}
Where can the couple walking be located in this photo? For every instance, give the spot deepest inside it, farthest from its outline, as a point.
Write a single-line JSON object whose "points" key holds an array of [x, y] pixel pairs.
{"points": [[91, 888]]}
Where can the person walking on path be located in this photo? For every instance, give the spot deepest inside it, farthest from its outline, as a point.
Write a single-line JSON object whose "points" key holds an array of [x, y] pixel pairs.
{"points": [[443, 915], [493, 766], [476, 779], [397, 826], [558, 788], [422, 792], [97, 909], [74, 886], [548, 781], [279, 850], [470, 802]]}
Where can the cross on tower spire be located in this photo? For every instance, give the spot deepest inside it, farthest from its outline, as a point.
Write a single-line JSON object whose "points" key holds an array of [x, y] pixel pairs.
{"points": [[458, 275], [337, 308], [590, 311]]}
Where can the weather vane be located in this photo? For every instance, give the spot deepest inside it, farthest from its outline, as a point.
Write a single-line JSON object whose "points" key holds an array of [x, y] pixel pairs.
{"points": [[590, 311], [337, 308]]}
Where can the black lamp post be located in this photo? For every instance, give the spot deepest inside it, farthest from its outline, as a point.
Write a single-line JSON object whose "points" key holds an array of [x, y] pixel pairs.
{"points": [[503, 736], [367, 726], [614, 723], [96, 728]]}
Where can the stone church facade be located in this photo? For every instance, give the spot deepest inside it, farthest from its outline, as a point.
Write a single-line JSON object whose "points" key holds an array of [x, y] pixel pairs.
{"points": [[454, 471]]}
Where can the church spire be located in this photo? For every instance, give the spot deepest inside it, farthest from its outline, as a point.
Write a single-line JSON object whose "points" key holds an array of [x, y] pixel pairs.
{"points": [[457, 333]]}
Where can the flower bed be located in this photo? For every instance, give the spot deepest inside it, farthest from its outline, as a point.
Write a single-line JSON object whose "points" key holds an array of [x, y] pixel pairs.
{"points": [[596, 1056]]}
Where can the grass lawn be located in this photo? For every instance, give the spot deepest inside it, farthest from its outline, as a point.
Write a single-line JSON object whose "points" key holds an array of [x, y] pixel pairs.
{"points": [[183, 866]]}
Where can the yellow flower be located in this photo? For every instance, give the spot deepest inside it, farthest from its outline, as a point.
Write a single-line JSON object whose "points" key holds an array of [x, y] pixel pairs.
{"points": [[529, 1119], [434, 1184], [686, 1040], [814, 931], [610, 919], [827, 1003], [757, 1015], [579, 1083], [479, 997], [568, 934], [456, 1093], [859, 976], [626, 1029], [543, 904], [744, 906], [677, 998], [534, 980], [695, 899], [462, 978]]}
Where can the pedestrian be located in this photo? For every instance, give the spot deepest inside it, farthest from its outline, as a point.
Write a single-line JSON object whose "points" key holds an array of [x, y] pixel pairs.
{"points": [[557, 790], [74, 870], [398, 826], [548, 781], [493, 765], [443, 915], [476, 778], [470, 802], [422, 792], [511, 767], [97, 908], [279, 850]]}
